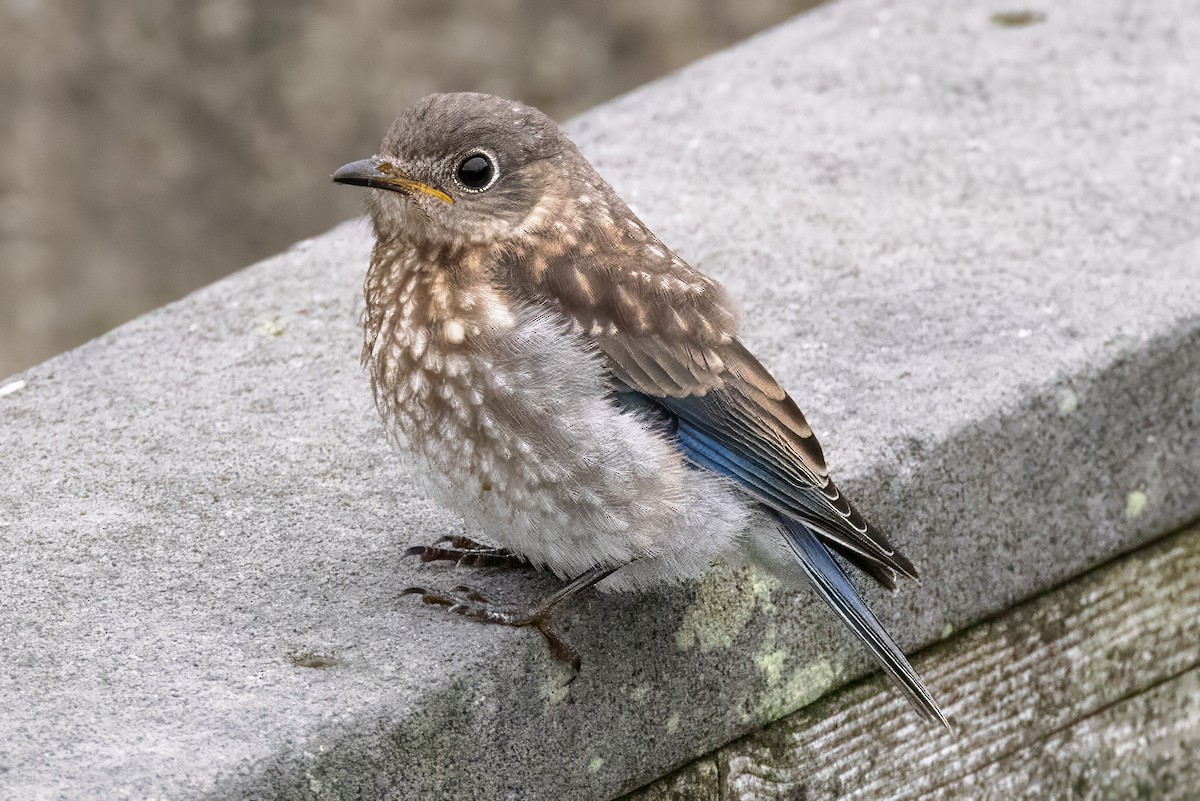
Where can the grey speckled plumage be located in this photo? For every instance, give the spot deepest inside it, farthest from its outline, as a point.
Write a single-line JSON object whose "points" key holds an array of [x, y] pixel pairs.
{"points": [[575, 389]]}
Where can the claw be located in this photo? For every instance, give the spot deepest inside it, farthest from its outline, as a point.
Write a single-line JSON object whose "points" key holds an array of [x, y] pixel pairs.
{"points": [[466, 552], [469, 602], [464, 600], [471, 593], [418, 551]]}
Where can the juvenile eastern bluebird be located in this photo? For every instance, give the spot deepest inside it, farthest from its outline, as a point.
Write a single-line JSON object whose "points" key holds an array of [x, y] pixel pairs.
{"points": [[576, 390]]}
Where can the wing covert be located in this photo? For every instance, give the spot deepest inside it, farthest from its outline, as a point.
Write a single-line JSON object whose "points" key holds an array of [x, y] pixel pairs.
{"points": [[668, 332]]}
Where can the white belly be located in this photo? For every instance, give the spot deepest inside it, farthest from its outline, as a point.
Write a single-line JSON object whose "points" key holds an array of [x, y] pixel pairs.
{"points": [[516, 431]]}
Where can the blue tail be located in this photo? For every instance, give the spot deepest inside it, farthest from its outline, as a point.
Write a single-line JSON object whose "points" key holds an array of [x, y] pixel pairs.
{"points": [[705, 450], [833, 585]]}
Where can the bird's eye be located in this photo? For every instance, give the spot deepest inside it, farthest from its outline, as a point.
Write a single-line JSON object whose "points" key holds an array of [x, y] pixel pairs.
{"points": [[477, 172]]}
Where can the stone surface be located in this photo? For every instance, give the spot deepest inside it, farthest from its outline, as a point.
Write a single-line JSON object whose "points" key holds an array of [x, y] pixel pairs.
{"points": [[699, 781], [969, 249], [1087, 692]]}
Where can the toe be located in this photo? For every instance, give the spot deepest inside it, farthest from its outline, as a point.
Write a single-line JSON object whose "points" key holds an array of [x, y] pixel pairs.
{"points": [[470, 593]]}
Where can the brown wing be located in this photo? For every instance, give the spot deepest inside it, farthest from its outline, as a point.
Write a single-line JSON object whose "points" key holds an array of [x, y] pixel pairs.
{"points": [[669, 333]]}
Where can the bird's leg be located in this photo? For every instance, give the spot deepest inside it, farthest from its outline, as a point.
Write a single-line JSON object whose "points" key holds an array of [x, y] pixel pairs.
{"points": [[466, 551], [471, 603]]}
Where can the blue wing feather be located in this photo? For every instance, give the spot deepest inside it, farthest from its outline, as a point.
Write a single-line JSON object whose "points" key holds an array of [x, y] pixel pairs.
{"points": [[705, 448]]}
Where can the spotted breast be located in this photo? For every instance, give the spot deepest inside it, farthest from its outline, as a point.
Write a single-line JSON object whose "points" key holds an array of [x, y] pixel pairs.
{"points": [[512, 415]]}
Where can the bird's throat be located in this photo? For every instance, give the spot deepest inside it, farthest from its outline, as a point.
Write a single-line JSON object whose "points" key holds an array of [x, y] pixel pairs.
{"points": [[422, 296]]}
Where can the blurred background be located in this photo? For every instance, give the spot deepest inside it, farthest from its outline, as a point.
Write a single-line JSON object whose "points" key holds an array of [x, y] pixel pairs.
{"points": [[149, 147]]}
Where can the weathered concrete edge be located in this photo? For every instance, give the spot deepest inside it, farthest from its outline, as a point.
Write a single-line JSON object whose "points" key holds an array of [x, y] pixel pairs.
{"points": [[1168, 364], [709, 777], [1019, 452]]}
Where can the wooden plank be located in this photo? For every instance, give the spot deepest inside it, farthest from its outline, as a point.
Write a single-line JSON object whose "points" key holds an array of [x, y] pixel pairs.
{"points": [[1144, 747], [1090, 691]]}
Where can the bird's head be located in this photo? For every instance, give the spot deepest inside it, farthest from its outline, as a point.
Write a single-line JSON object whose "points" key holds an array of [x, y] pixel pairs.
{"points": [[461, 168]]}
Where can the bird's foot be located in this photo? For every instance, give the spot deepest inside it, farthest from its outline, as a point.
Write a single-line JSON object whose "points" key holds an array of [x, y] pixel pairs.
{"points": [[470, 603], [465, 551]]}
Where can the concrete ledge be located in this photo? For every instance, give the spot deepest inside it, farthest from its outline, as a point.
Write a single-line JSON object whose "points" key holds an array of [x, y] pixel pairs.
{"points": [[969, 249], [1089, 691]]}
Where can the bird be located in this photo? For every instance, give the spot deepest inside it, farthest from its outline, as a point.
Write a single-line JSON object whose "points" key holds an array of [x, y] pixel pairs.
{"points": [[576, 391]]}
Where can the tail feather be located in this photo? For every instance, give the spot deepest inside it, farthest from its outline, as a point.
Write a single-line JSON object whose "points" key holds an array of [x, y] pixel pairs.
{"points": [[832, 583]]}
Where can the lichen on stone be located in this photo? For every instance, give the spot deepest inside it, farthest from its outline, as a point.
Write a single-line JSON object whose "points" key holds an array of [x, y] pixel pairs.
{"points": [[1135, 504], [1068, 401], [800, 688], [725, 602]]}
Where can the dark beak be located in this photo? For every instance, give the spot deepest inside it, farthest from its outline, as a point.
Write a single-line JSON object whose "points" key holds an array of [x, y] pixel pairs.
{"points": [[378, 174]]}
